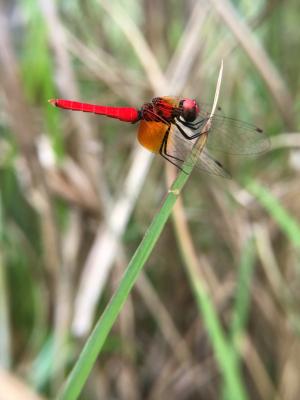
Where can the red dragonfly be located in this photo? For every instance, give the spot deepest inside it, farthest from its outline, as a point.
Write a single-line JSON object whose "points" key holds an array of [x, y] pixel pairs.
{"points": [[171, 126]]}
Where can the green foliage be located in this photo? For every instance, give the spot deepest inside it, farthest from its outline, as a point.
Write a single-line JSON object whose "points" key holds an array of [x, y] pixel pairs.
{"points": [[38, 71], [286, 222]]}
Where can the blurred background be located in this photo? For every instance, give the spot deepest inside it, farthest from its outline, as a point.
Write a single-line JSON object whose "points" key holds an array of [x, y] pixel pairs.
{"points": [[77, 194]]}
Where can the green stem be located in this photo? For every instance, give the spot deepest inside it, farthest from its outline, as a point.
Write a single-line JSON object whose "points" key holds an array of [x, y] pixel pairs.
{"points": [[87, 358]]}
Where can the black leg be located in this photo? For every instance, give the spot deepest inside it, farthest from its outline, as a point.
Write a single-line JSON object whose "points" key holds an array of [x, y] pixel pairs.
{"points": [[187, 136], [165, 144], [192, 125], [163, 151]]}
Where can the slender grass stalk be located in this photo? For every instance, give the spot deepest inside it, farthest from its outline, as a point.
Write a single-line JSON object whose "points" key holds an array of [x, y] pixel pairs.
{"points": [[287, 223], [241, 305], [5, 344], [242, 294], [83, 366], [222, 345]]}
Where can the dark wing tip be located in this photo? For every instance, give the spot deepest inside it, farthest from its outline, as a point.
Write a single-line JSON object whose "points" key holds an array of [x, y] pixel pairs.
{"points": [[225, 173]]}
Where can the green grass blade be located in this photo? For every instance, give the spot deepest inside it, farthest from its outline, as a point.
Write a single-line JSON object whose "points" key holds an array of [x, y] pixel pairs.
{"points": [[241, 303], [5, 343], [242, 298], [287, 223], [223, 350], [39, 85], [83, 366]]}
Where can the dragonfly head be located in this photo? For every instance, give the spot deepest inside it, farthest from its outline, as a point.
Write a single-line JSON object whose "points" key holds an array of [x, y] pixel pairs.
{"points": [[190, 109]]}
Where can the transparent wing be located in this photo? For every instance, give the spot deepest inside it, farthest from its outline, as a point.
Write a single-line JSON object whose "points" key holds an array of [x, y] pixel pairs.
{"points": [[236, 137], [207, 163], [178, 150], [232, 136]]}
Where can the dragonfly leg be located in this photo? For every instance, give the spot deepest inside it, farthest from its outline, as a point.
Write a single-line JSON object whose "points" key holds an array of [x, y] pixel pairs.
{"points": [[186, 136], [163, 151], [165, 145], [193, 125]]}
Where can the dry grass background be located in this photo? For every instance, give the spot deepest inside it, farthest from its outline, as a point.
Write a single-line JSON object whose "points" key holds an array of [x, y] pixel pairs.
{"points": [[77, 194]]}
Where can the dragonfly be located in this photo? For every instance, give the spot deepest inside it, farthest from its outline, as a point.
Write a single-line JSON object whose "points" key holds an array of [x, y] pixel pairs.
{"points": [[171, 126]]}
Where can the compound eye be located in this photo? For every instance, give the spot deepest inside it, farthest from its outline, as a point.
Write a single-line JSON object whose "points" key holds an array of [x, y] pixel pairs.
{"points": [[190, 110]]}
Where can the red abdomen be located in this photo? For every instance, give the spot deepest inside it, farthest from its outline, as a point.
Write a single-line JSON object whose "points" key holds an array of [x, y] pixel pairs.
{"points": [[126, 114]]}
